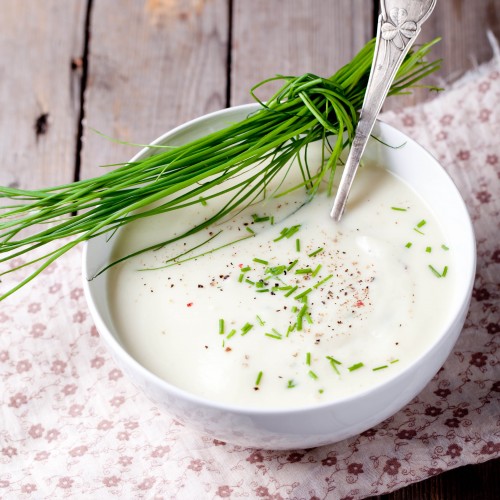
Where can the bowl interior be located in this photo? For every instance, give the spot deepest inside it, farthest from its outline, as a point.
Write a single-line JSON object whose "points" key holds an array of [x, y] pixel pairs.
{"points": [[393, 149]]}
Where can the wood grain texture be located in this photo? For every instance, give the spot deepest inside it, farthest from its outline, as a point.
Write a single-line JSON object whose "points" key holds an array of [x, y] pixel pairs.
{"points": [[463, 27], [152, 65], [294, 37], [39, 90]]}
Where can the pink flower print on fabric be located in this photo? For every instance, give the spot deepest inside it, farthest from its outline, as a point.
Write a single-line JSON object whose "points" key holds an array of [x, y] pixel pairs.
{"points": [[52, 435], [392, 466], [79, 451], [28, 488], [224, 491], [111, 481], [36, 431], [18, 400], [147, 484], [65, 482], [23, 366], [9, 451]]}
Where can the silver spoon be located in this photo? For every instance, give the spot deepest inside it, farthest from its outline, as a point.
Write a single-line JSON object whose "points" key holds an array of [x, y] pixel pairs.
{"points": [[399, 24]]}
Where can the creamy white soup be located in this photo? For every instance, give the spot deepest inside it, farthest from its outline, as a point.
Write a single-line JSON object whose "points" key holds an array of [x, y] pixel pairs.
{"points": [[286, 308]]}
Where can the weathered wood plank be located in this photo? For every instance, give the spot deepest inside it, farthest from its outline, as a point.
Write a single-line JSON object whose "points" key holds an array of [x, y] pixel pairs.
{"points": [[294, 37], [39, 90], [463, 27], [152, 66]]}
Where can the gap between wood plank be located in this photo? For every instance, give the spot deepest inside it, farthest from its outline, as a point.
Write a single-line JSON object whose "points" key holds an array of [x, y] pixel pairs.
{"points": [[229, 58], [376, 4], [83, 87]]}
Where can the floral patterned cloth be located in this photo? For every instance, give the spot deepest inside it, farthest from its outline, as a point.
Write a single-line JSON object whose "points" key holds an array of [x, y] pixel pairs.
{"points": [[72, 426]]}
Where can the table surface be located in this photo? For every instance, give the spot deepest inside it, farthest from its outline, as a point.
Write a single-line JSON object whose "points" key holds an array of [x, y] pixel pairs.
{"points": [[134, 69]]}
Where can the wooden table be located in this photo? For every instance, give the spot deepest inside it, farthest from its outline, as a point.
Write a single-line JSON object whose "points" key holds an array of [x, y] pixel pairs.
{"points": [[133, 69]]}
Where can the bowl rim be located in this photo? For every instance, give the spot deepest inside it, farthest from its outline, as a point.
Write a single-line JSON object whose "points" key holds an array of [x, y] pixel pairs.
{"points": [[118, 350]]}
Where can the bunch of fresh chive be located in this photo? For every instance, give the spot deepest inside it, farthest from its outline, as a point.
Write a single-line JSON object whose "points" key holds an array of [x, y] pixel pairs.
{"points": [[306, 109]]}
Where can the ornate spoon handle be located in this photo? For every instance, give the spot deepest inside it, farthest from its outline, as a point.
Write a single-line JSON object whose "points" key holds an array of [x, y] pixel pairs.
{"points": [[399, 24]]}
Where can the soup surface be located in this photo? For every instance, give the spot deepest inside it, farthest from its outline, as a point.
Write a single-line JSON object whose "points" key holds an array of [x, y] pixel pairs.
{"points": [[290, 308]]}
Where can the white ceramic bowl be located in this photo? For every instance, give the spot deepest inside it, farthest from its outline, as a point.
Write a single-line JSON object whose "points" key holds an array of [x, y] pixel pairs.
{"points": [[328, 422]]}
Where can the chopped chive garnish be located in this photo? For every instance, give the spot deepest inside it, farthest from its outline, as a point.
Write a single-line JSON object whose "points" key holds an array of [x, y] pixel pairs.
{"points": [[275, 270], [256, 218], [398, 209], [282, 234], [262, 290], [334, 363], [422, 223], [292, 290], [333, 360], [418, 231], [250, 230], [302, 311], [284, 288], [221, 326], [445, 248], [250, 282], [277, 336], [321, 391], [291, 328], [394, 361], [203, 201], [260, 284], [305, 270], [271, 220], [357, 366], [299, 323], [408, 245], [308, 318], [316, 270], [297, 245], [231, 334], [434, 271], [313, 375], [287, 232], [275, 331], [323, 281], [261, 322], [240, 277], [316, 252], [428, 249], [246, 328], [292, 264], [246, 269], [445, 271], [294, 309], [308, 359], [259, 378], [303, 294], [291, 384], [260, 261], [379, 368]]}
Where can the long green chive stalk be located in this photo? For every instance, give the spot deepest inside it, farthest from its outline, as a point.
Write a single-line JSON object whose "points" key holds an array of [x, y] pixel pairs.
{"points": [[306, 109]]}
